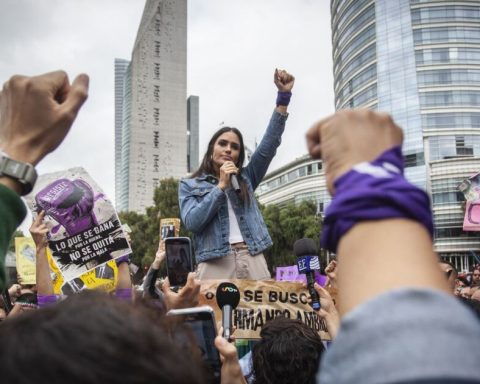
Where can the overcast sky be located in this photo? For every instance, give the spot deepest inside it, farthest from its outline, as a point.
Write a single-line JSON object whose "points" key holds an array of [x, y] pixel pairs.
{"points": [[233, 49]]}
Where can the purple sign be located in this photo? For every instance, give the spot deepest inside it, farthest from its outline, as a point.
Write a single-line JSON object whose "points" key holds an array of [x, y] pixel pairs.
{"points": [[84, 229], [290, 273]]}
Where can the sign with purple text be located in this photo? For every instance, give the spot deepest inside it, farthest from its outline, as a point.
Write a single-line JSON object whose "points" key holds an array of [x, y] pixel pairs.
{"points": [[290, 273], [84, 229], [470, 188]]}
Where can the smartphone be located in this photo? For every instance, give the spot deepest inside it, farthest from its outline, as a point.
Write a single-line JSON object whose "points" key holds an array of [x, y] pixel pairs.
{"points": [[194, 329], [179, 260]]}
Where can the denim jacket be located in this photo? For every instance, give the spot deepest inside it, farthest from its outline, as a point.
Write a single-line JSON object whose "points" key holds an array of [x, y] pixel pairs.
{"points": [[204, 209]]}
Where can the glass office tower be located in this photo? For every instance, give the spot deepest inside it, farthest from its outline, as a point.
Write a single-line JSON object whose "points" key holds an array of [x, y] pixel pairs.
{"points": [[419, 61]]}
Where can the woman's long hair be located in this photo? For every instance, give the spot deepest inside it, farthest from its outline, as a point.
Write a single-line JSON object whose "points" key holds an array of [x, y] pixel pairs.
{"points": [[207, 165]]}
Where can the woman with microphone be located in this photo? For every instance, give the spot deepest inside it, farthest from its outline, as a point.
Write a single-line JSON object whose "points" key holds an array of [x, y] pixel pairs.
{"points": [[218, 205]]}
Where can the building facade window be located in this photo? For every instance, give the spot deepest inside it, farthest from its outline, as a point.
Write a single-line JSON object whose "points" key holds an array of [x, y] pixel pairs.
{"points": [[451, 120], [448, 76], [361, 59], [450, 98], [447, 147], [457, 13], [453, 55], [437, 35]]}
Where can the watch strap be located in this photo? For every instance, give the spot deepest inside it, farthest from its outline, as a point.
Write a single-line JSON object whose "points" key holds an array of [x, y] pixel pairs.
{"points": [[24, 173]]}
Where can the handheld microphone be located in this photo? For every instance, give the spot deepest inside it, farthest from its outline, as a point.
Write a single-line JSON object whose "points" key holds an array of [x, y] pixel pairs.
{"points": [[308, 263], [228, 297], [234, 182]]}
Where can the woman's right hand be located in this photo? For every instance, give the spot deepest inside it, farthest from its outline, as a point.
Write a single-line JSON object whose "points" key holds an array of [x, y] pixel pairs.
{"points": [[226, 170]]}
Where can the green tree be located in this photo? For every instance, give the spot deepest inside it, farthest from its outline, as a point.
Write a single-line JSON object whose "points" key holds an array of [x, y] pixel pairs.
{"points": [[139, 240], [286, 225], [146, 228]]}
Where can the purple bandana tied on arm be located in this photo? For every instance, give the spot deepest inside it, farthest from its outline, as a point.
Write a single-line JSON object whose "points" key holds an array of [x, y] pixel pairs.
{"points": [[283, 98], [374, 191]]}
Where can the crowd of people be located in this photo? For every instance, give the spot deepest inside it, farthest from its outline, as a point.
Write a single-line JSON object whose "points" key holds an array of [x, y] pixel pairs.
{"points": [[395, 318]]}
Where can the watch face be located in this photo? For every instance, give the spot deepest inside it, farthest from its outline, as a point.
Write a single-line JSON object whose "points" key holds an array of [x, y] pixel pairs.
{"points": [[12, 167]]}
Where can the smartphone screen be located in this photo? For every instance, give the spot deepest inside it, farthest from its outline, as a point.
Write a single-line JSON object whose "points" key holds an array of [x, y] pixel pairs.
{"points": [[196, 332], [179, 260]]}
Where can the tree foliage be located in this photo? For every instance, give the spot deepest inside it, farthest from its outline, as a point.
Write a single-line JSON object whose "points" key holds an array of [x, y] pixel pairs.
{"points": [[286, 225]]}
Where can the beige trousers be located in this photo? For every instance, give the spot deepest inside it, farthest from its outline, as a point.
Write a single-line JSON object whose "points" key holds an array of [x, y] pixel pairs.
{"points": [[238, 264]]}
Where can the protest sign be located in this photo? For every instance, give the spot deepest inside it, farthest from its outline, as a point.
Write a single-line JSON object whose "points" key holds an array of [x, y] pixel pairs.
{"points": [[169, 228], [470, 187], [84, 229], [290, 273], [25, 259], [261, 301], [103, 277], [471, 220]]}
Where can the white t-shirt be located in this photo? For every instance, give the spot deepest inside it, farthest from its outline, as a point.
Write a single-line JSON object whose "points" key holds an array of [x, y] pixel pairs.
{"points": [[235, 234]]}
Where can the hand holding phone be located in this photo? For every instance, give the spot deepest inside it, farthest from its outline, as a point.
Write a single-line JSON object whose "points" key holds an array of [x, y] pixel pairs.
{"points": [[195, 329], [179, 260], [231, 368], [186, 297]]}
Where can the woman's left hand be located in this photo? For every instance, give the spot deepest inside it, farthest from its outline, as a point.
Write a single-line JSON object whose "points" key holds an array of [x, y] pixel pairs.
{"points": [[283, 80]]}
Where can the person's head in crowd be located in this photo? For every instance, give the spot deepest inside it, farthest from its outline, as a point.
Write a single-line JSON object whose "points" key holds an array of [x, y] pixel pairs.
{"points": [[476, 277], [27, 301], [92, 338], [450, 272], [288, 352], [460, 283], [29, 288], [465, 292]]}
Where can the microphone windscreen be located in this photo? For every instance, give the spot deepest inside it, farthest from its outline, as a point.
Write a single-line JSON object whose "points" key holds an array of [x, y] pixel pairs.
{"points": [[305, 247], [227, 294]]}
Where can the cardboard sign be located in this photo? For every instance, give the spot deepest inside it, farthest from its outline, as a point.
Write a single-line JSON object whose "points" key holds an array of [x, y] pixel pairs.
{"points": [[169, 228], [25, 259], [261, 301], [471, 220], [84, 229]]}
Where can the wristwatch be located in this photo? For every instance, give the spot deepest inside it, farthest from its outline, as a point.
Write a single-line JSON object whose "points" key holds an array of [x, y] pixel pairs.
{"points": [[23, 173]]}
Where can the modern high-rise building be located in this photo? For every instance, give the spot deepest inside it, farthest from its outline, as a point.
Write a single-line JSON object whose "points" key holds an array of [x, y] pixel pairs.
{"points": [[193, 124], [419, 60], [121, 67], [154, 113]]}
